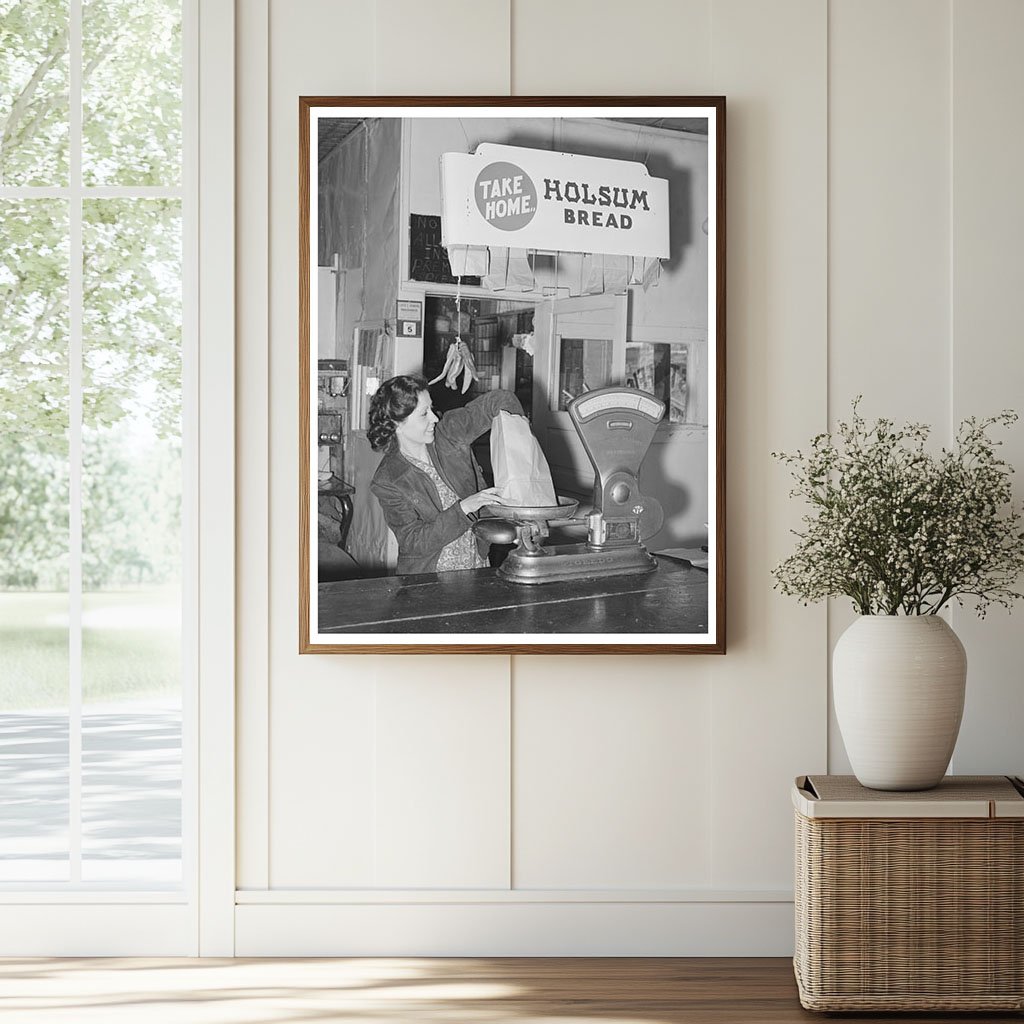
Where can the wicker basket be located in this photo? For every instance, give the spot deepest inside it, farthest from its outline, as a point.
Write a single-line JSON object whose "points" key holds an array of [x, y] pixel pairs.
{"points": [[910, 901]]}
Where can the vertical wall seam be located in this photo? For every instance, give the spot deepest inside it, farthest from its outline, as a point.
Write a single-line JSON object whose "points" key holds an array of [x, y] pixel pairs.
{"points": [[375, 781], [511, 50], [376, 55], [510, 691], [712, 832], [828, 340], [949, 231], [266, 737], [711, 45], [950, 150], [950, 359]]}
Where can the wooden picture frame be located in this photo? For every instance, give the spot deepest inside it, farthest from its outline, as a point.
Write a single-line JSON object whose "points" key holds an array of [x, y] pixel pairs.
{"points": [[592, 258]]}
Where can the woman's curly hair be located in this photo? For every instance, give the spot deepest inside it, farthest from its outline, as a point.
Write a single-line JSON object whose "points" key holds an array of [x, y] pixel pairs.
{"points": [[393, 401]]}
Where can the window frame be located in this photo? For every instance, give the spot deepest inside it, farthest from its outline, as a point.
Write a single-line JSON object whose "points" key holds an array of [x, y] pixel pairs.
{"points": [[70, 918]]}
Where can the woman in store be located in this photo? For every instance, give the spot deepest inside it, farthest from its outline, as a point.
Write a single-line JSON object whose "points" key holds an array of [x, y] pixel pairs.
{"points": [[429, 484]]}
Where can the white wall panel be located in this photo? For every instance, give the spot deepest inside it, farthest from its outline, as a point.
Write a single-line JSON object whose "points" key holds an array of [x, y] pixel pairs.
{"points": [[252, 468], [319, 767], [768, 693], [889, 247], [889, 209], [988, 368], [612, 783], [442, 48], [580, 48], [323, 777], [442, 771]]}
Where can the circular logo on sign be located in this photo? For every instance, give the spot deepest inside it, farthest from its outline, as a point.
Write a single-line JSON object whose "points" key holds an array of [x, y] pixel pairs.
{"points": [[505, 196]]}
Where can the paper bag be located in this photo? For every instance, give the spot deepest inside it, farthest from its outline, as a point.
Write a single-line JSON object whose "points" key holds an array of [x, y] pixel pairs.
{"points": [[593, 274], [521, 472], [497, 272], [616, 274], [520, 273]]}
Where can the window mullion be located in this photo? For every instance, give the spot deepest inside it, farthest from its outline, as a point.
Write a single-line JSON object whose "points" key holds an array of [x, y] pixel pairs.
{"points": [[75, 334]]}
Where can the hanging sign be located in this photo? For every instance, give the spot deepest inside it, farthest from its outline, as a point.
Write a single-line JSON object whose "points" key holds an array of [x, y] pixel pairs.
{"points": [[535, 199]]}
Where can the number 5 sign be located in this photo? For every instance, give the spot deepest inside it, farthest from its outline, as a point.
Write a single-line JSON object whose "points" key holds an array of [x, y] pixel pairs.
{"points": [[409, 319]]}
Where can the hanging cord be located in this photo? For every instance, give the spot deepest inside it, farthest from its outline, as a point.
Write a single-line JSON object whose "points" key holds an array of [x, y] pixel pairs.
{"points": [[458, 309], [458, 279], [636, 144]]}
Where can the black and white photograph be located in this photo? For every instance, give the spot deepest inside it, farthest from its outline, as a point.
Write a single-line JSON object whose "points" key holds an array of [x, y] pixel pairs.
{"points": [[512, 375]]}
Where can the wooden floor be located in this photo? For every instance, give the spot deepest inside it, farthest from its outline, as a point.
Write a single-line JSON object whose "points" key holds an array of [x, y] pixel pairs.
{"points": [[413, 991]]}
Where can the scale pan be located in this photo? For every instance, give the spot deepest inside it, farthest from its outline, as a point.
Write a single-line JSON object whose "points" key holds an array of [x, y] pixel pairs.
{"points": [[565, 509]]}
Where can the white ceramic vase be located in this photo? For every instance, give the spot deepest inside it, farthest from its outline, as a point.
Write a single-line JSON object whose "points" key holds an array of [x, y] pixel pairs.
{"points": [[898, 685]]}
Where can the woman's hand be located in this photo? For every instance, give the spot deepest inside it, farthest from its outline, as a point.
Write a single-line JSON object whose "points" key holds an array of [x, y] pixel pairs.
{"points": [[475, 502]]}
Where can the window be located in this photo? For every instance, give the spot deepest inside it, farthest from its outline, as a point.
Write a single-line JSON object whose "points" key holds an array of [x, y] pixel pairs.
{"points": [[660, 369], [93, 465], [674, 372], [584, 364]]}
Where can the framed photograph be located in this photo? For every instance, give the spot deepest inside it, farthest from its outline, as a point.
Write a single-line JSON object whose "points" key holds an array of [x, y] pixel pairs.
{"points": [[512, 375]]}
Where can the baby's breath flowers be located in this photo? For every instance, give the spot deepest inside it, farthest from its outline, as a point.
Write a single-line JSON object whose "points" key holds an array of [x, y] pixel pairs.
{"points": [[899, 530]]}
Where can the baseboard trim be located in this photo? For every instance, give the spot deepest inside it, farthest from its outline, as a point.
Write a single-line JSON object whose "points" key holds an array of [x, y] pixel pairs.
{"points": [[506, 928], [347, 897]]}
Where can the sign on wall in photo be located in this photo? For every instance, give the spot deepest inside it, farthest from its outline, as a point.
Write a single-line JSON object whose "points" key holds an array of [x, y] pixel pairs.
{"points": [[535, 199], [511, 353]]}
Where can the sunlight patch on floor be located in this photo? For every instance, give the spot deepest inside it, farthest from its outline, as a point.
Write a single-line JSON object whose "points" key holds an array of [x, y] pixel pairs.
{"points": [[218, 991]]}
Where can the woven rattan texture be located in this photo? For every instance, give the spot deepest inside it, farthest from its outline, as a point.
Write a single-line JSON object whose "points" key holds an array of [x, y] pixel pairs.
{"points": [[960, 787], [915, 914]]}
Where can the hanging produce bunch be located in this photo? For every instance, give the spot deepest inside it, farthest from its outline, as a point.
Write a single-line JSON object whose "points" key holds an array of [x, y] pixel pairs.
{"points": [[459, 360]]}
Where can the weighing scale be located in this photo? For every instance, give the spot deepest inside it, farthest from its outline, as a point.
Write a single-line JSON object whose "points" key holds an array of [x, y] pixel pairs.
{"points": [[616, 426]]}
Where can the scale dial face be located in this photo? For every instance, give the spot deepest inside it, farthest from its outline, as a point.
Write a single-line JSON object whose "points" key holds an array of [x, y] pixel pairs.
{"points": [[626, 399], [616, 426]]}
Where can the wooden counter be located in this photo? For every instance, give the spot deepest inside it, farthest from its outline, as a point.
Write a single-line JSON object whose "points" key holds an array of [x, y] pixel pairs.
{"points": [[674, 599]]}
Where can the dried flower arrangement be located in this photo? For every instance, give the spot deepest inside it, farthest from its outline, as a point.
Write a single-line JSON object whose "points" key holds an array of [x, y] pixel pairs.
{"points": [[900, 530]]}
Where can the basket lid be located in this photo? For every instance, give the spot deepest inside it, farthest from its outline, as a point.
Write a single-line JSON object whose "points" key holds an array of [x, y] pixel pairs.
{"points": [[957, 796]]}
